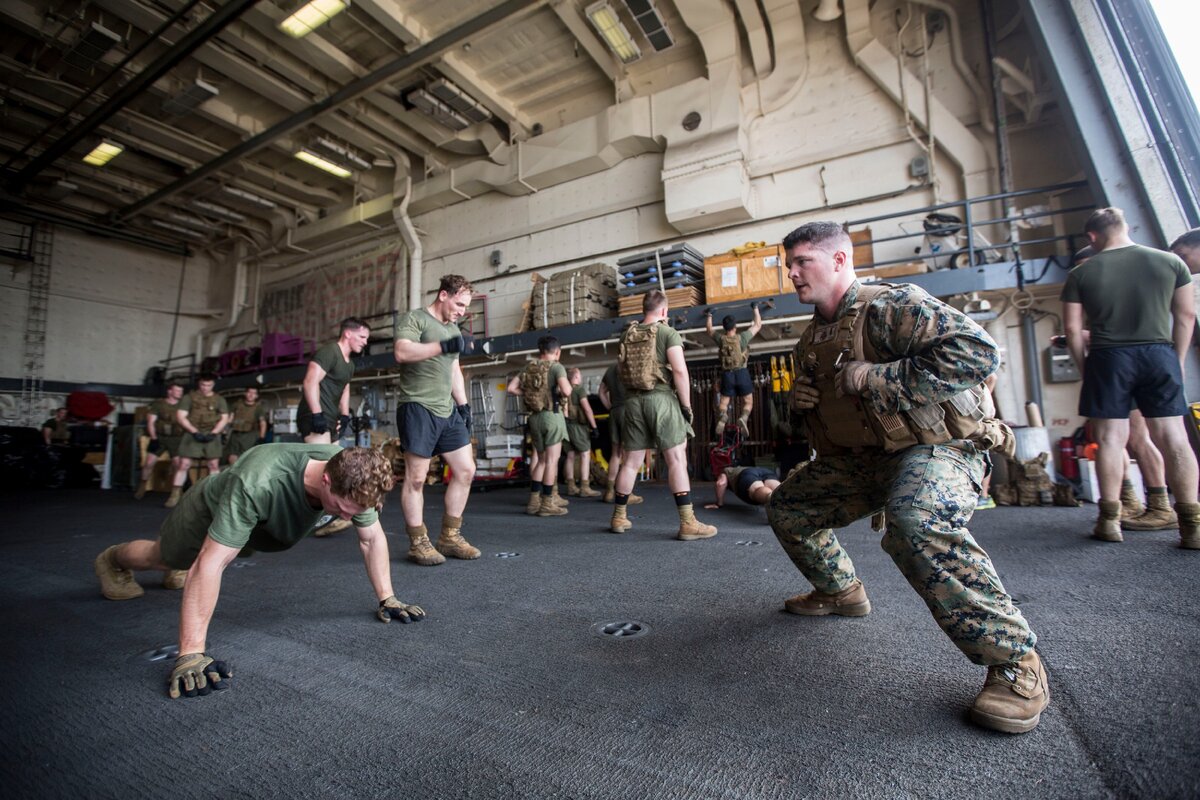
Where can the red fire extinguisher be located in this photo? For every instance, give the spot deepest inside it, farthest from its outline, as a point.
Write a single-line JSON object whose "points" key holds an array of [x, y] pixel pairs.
{"points": [[1068, 467]]}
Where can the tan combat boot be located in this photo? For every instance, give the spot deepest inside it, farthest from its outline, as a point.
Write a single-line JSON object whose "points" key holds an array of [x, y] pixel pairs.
{"points": [[743, 424], [558, 499], [332, 528], [1131, 505], [691, 528], [116, 582], [610, 493], [572, 489], [634, 499], [174, 578], [850, 602], [420, 550], [1158, 516], [1108, 526], [1189, 525], [1013, 696], [620, 520], [548, 508], [173, 500], [451, 542], [535, 502], [140, 492], [585, 490]]}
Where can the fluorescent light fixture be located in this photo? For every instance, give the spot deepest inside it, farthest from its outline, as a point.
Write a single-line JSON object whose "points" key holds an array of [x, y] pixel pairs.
{"points": [[248, 197], [340, 154], [219, 211], [103, 153], [430, 106], [191, 98], [459, 100], [93, 43], [312, 16], [648, 18], [612, 30], [321, 163], [170, 226]]}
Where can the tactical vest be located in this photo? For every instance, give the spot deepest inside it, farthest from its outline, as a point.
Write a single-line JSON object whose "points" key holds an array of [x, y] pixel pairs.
{"points": [[637, 358], [164, 418], [205, 411], [62, 432], [244, 417], [731, 353], [535, 386], [841, 424]]}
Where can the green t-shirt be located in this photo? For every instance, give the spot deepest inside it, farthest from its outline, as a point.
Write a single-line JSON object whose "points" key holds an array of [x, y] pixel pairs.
{"points": [[260, 501], [338, 372], [578, 393], [61, 433], [1126, 295], [165, 423], [200, 420], [427, 382], [616, 389]]}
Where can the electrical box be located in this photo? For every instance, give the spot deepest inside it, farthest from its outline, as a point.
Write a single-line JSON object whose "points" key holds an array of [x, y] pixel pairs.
{"points": [[1060, 365]]}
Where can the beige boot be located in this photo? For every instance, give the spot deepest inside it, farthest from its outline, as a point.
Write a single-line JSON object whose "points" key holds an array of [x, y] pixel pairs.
{"points": [[1013, 696], [620, 520], [116, 582], [1189, 525], [558, 499], [572, 489], [743, 424], [1131, 505], [174, 578], [634, 500], [1158, 515], [586, 490], [691, 528], [173, 500], [610, 493], [1108, 526], [140, 492], [332, 528], [535, 502], [451, 542], [549, 508], [420, 550], [850, 602]]}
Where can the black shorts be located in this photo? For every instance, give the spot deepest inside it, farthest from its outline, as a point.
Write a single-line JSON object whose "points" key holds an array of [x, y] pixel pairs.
{"points": [[736, 383], [747, 478], [426, 435], [1114, 378], [304, 425]]}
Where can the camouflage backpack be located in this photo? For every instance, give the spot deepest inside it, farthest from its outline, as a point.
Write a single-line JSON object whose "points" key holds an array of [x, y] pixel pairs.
{"points": [[731, 355], [637, 359], [535, 386]]}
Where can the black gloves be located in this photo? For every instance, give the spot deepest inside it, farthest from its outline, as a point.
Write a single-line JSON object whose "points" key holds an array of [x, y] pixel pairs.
{"points": [[203, 438], [708, 312], [155, 447], [594, 433], [753, 305], [463, 343], [261, 440], [342, 426], [197, 674], [464, 411], [319, 424], [391, 608], [688, 417]]}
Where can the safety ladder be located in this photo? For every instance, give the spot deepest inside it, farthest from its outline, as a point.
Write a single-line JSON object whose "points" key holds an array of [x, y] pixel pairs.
{"points": [[33, 362], [483, 410]]}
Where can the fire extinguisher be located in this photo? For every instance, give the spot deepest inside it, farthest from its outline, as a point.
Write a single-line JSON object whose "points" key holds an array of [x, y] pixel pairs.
{"points": [[1067, 465]]}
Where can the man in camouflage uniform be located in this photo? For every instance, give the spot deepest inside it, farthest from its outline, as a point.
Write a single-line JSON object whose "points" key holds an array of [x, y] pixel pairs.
{"points": [[733, 350], [581, 431], [883, 373], [248, 426], [543, 386], [164, 432], [612, 395], [202, 415]]}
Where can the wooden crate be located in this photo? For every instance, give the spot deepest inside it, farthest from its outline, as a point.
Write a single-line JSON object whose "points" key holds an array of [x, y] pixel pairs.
{"points": [[892, 271], [759, 273], [864, 251], [683, 297]]}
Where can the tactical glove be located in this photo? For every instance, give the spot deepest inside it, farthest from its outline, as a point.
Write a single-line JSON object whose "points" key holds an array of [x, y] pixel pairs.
{"points": [[260, 440], [852, 378], [805, 396], [753, 305], [594, 434], [687, 414], [197, 674], [708, 312], [391, 608], [202, 438], [343, 425], [464, 411], [319, 424], [155, 447], [463, 343]]}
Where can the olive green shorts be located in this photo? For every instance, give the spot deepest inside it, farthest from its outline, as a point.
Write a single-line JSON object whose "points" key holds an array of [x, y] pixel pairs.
{"points": [[183, 531], [578, 438], [653, 421], [616, 424], [170, 444], [190, 448], [547, 428], [240, 443]]}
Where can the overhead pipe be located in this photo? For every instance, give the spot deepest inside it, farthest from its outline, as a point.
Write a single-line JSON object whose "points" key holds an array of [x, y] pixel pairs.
{"points": [[408, 232]]}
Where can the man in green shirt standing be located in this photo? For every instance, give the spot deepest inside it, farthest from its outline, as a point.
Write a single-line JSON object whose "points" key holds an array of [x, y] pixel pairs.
{"points": [[581, 431], [324, 410], [656, 416], [267, 501], [248, 426], [202, 415], [164, 432], [1140, 312], [612, 394], [55, 430], [733, 350], [434, 418], [542, 386]]}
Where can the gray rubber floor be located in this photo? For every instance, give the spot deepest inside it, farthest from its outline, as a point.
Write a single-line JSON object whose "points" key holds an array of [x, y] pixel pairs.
{"points": [[507, 691]]}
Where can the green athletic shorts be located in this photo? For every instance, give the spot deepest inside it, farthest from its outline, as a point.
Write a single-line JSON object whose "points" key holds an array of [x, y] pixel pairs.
{"points": [[183, 531], [653, 421], [578, 438], [170, 444], [240, 443], [190, 448], [547, 428], [616, 424]]}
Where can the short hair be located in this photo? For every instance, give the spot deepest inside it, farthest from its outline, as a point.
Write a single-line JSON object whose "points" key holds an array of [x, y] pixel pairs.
{"points": [[653, 301], [829, 236], [362, 474], [206, 376], [171, 384], [728, 322], [1103, 220], [573, 371], [548, 344], [1187, 241], [453, 284], [352, 324]]}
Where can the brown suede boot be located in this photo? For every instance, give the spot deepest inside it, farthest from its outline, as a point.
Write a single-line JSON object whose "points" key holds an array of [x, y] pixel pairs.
{"points": [[1013, 696], [610, 493], [572, 489], [173, 500], [1158, 515], [548, 508], [620, 520], [451, 542], [174, 578], [850, 602], [1131, 506], [116, 582], [585, 490], [420, 550], [691, 528], [140, 492], [1189, 525], [1108, 526], [535, 502], [558, 499]]}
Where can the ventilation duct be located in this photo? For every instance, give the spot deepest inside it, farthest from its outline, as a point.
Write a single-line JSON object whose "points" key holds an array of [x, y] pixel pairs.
{"points": [[339, 154], [191, 98], [648, 18], [91, 46], [458, 100], [436, 110]]}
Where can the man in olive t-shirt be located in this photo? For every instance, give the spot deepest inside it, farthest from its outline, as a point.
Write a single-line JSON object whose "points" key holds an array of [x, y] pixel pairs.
{"points": [[581, 430], [268, 501], [434, 418], [1140, 312], [324, 411], [202, 415], [247, 427], [733, 350], [612, 394], [544, 388], [164, 432]]}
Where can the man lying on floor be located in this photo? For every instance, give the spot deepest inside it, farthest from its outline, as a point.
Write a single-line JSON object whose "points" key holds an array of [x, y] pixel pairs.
{"points": [[752, 485], [268, 501]]}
